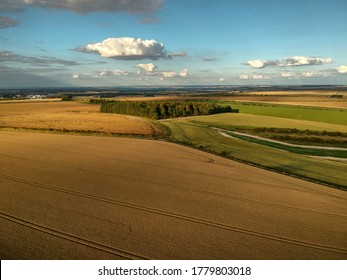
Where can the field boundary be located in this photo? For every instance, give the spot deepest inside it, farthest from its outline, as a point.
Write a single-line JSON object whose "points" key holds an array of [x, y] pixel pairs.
{"points": [[333, 152], [281, 142]]}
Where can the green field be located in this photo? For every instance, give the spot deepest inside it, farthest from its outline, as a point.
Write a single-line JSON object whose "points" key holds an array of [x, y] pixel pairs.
{"points": [[242, 120], [327, 115], [198, 132], [317, 169]]}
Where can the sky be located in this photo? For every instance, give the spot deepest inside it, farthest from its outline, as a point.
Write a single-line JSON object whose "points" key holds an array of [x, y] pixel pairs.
{"points": [[57, 43]]}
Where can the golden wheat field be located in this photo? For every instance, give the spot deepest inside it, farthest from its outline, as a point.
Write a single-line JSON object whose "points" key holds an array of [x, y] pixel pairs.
{"points": [[71, 116], [302, 98], [87, 197]]}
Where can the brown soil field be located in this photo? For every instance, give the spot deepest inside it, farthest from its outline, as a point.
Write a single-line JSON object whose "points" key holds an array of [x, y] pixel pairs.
{"points": [[71, 116], [88, 197]]}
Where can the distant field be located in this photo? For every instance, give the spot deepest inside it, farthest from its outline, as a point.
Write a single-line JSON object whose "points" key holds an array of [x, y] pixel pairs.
{"points": [[296, 92], [29, 100], [318, 98], [302, 101], [71, 117], [327, 115], [229, 121]]}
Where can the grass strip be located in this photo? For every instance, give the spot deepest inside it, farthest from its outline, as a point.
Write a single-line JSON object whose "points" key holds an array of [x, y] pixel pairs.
{"points": [[297, 150], [326, 172], [299, 112]]}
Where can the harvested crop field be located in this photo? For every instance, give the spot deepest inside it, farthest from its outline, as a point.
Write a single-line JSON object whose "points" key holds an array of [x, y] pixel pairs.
{"points": [[71, 116], [79, 197], [301, 101]]}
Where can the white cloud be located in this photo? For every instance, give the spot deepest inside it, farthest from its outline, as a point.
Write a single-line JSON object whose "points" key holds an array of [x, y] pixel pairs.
{"points": [[111, 73], [149, 67], [119, 72], [290, 61], [87, 6], [309, 74], [184, 73], [288, 74], [306, 74], [170, 74], [221, 79], [254, 77], [105, 73], [262, 63], [342, 69], [301, 61], [127, 48]]}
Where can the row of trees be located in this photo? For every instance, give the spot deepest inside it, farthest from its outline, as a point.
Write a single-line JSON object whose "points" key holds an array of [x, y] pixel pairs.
{"points": [[298, 131], [165, 109]]}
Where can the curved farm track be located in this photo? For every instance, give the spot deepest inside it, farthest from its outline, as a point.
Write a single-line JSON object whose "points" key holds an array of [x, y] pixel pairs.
{"points": [[79, 197]]}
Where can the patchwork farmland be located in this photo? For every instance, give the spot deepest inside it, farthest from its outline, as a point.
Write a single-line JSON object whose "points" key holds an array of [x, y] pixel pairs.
{"points": [[68, 193]]}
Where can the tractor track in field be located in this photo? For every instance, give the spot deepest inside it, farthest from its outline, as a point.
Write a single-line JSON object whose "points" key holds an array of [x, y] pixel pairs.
{"points": [[157, 212], [73, 238], [196, 190]]}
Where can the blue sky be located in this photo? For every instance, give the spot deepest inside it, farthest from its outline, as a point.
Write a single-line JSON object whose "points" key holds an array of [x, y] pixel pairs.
{"points": [[172, 42]]}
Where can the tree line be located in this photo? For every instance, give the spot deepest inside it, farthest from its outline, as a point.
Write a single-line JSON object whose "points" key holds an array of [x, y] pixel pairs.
{"points": [[165, 109]]}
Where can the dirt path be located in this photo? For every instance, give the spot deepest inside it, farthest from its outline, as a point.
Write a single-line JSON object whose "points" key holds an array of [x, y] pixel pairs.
{"points": [[78, 197], [224, 133]]}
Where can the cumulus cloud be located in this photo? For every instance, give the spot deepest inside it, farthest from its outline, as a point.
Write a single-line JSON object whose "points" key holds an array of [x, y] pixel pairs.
{"points": [[87, 6], [254, 77], [342, 69], [127, 48], [301, 61], [149, 67], [170, 74], [184, 73], [119, 72], [290, 61], [6, 22], [262, 63]]}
